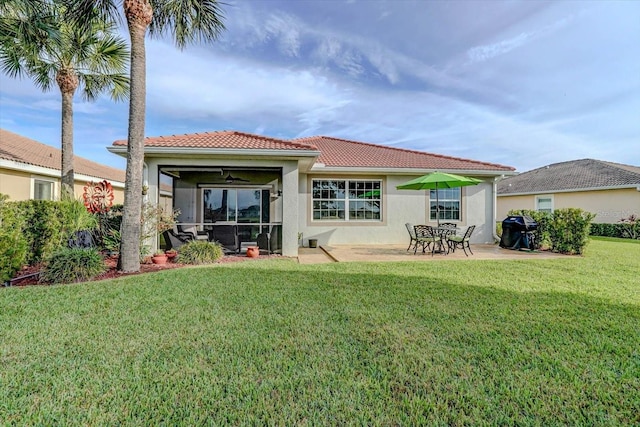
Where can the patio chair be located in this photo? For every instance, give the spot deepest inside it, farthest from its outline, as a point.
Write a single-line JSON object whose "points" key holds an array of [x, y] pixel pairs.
{"points": [[193, 231], [412, 235], [457, 241], [425, 237], [227, 237], [271, 241], [174, 240]]}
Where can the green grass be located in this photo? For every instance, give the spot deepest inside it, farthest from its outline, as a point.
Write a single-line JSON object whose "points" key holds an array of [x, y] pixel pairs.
{"points": [[527, 342]]}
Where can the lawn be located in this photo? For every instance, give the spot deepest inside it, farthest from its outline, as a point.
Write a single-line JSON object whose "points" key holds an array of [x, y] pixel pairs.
{"points": [[527, 342]]}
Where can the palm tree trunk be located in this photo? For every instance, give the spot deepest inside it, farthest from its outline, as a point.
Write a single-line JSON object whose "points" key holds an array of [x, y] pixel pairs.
{"points": [[67, 178], [139, 14], [68, 83]]}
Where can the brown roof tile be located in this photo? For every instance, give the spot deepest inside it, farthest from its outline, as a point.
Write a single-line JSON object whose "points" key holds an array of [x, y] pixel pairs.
{"points": [[573, 175], [344, 153], [24, 150], [222, 139]]}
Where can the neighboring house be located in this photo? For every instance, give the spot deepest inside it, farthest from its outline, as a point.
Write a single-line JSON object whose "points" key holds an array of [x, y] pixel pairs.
{"points": [[611, 191], [31, 170], [329, 189]]}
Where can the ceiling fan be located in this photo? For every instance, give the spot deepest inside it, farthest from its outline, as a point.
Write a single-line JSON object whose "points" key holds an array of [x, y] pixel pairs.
{"points": [[231, 179]]}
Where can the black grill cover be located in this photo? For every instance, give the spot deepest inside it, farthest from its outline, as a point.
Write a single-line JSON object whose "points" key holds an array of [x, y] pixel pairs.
{"points": [[514, 231]]}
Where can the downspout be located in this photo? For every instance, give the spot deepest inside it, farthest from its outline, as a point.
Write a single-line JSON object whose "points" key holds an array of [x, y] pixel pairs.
{"points": [[495, 207], [145, 182]]}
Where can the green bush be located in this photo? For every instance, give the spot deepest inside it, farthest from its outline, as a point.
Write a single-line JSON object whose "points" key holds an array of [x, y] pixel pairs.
{"points": [[631, 227], [70, 265], [569, 230], [13, 245], [43, 229], [107, 235], [199, 252], [607, 230]]}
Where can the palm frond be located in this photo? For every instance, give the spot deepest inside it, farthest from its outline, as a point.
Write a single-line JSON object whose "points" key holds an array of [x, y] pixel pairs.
{"points": [[187, 21]]}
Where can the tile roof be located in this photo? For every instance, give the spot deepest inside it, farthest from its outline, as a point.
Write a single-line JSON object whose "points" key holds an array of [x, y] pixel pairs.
{"points": [[344, 153], [573, 175], [222, 139], [20, 149]]}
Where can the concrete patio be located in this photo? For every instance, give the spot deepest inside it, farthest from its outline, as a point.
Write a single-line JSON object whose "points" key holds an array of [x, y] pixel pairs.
{"points": [[381, 253]]}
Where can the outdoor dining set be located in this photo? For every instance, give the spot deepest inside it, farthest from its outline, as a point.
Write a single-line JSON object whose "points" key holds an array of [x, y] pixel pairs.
{"points": [[444, 238]]}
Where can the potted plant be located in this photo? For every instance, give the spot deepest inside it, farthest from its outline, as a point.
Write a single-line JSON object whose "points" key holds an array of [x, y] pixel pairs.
{"points": [[159, 257], [171, 254]]}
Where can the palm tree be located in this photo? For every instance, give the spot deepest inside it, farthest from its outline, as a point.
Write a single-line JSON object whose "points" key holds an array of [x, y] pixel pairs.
{"points": [[55, 50], [186, 21]]}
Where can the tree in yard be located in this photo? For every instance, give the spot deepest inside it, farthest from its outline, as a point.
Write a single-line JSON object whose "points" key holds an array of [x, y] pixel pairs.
{"points": [[39, 40], [186, 21]]}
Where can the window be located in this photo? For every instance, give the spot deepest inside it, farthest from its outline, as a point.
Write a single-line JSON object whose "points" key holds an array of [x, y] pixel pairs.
{"points": [[544, 204], [449, 203], [347, 200], [43, 190]]}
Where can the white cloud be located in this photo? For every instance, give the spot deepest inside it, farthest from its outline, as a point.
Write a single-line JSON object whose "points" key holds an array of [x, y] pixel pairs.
{"points": [[232, 88], [486, 52]]}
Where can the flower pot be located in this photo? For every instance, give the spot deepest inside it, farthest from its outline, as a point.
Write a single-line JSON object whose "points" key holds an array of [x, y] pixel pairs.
{"points": [[159, 259], [253, 251], [313, 243], [171, 255]]}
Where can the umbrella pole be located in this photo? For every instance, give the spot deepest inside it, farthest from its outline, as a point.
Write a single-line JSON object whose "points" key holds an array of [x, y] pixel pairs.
{"points": [[437, 207]]}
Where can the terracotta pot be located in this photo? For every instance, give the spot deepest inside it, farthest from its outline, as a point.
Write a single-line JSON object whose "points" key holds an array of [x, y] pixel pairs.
{"points": [[159, 259], [253, 251], [171, 255]]}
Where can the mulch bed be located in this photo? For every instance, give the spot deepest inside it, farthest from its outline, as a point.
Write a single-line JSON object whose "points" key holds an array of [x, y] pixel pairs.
{"points": [[28, 275]]}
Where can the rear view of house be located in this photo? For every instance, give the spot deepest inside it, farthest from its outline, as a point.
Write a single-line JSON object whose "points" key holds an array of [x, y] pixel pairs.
{"points": [[331, 190]]}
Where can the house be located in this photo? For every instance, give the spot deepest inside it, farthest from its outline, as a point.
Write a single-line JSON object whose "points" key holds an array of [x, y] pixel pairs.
{"points": [[328, 189], [611, 191], [31, 170]]}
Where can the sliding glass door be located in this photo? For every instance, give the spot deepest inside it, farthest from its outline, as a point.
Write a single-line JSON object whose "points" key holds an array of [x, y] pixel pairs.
{"points": [[235, 205]]}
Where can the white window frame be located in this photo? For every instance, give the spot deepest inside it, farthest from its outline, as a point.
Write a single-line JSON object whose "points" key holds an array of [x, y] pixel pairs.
{"points": [[53, 182], [441, 200], [346, 200], [544, 196]]}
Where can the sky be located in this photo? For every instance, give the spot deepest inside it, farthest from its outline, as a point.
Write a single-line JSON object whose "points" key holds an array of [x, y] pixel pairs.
{"points": [[518, 83]]}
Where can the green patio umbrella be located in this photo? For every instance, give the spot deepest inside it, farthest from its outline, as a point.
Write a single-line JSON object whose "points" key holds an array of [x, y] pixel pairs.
{"points": [[438, 180]]}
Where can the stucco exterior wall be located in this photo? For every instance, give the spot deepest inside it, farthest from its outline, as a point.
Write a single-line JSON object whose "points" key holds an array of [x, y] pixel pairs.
{"points": [[15, 184], [398, 208], [609, 205], [18, 185]]}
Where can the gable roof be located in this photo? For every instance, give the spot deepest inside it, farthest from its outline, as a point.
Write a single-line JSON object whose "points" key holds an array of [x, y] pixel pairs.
{"points": [[575, 175], [23, 150], [226, 139], [336, 152]]}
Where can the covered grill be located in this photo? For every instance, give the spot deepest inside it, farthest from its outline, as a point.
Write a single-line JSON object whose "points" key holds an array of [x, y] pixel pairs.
{"points": [[518, 232]]}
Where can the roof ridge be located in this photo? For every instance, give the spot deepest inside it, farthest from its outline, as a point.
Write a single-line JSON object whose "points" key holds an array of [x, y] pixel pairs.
{"points": [[227, 132], [406, 150]]}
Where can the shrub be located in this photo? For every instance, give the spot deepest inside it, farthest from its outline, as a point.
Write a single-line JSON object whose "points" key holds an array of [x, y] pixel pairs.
{"points": [[569, 230], [607, 230], [199, 252], [69, 265], [631, 227], [43, 230], [13, 245], [107, 235]]}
